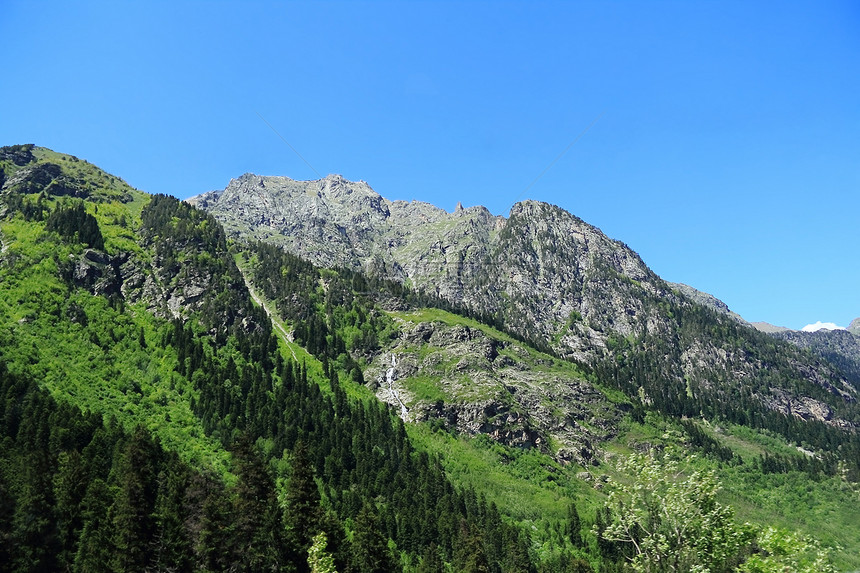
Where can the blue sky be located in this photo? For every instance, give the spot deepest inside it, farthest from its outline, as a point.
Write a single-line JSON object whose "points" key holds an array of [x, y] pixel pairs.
{"points": [[726, 149]]}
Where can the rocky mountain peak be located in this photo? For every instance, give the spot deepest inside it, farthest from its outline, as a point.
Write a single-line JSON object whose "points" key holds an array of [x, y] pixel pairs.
{"points": [[543, 273]]}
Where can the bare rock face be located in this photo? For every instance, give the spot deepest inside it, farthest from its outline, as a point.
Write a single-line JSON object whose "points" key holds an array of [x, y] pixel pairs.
{"points": [[713, 303], [98, 272], [469, 381], [768, 328]]}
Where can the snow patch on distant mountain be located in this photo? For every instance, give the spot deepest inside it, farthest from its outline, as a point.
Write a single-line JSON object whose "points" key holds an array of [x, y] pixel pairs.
{"points": [[821, 326]]}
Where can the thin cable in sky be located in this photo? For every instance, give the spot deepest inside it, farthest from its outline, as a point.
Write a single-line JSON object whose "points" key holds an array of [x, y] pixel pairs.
{"points": [[288, 144], [560, 155]]}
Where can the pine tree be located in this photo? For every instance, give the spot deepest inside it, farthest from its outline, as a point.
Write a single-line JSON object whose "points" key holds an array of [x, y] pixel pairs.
{"points": [[369, 548], [574, 526], [94, 547], [171, 547], [131, 514], [34, 533], [303, 513], [208, 522], [431, 562], [7, 511], [70, 485], [469, 556], [258, 527]]}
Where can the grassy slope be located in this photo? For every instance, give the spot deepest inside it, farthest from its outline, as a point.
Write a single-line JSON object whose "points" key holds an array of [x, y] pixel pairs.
{"points": [[83, 349], [536, 490]]}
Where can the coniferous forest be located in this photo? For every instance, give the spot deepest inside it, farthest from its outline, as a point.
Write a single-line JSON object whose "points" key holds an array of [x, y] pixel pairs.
{"points": [[154, 417]]}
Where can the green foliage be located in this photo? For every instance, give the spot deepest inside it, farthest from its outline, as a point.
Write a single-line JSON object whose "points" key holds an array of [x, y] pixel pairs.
{"points": [[780, 550], [319, 560], [73, 223], [665, 521]]}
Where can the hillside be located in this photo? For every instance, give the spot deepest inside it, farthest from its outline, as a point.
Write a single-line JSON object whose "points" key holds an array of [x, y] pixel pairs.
{"points": [[839, 347], [175, 399]]}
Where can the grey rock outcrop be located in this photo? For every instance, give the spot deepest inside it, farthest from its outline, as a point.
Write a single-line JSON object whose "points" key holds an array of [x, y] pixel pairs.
{"points": [[96, 271], [469, 381], [490, 264], [768, 328]]}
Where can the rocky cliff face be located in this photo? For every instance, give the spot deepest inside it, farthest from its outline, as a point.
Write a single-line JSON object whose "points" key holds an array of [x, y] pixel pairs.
{"points": [[337, 223], [542, 273], [468, 379]]}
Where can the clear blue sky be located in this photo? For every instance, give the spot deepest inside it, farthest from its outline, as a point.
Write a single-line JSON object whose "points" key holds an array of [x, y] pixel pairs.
{"points": [[727, 150]]}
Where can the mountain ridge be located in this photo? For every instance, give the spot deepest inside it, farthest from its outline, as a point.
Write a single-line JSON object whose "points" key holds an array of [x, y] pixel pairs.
{"points": [[541, 271]]}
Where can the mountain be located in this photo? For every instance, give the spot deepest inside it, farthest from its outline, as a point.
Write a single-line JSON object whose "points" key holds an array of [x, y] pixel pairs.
{"points": [[177, 396], [839, 346], [551, 279], [152, 419], [709, 301]]}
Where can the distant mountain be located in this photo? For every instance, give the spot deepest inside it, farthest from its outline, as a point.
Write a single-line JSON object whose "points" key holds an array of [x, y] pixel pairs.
{"points": [[768, 328], [709, 301], [840, 347], [837, 345]]}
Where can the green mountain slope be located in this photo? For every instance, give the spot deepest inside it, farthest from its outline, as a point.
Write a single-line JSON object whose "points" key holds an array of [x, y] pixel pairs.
{"points": [[154, 417], [546, 431], [160, 332]]}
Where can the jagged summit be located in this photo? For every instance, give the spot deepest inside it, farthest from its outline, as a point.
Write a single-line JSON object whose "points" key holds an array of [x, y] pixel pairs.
{"points": [[540, 252]]}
